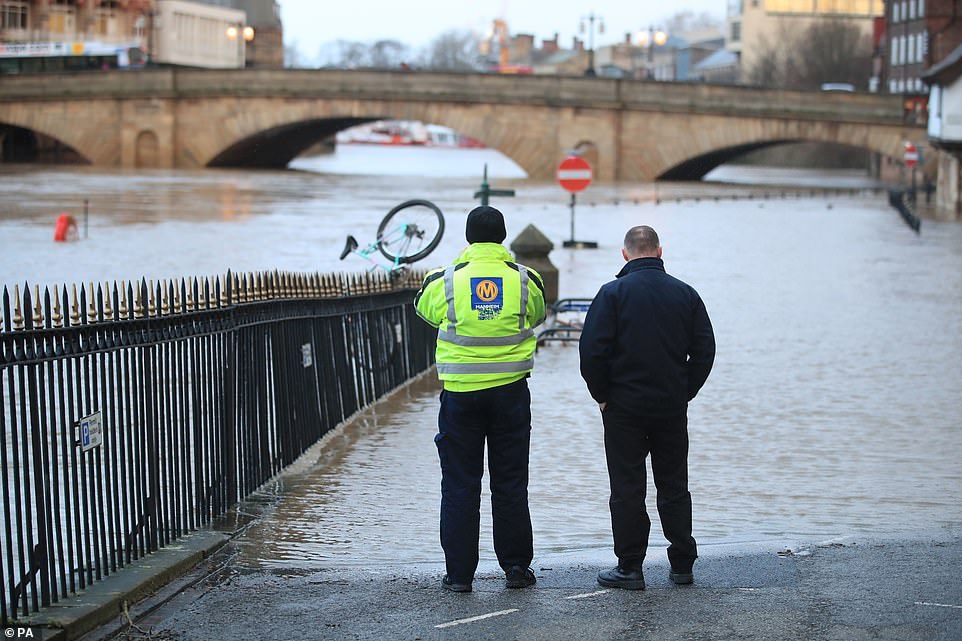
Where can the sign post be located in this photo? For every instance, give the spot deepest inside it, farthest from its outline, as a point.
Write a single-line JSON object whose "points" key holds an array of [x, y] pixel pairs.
{"points": [[574, 175], [486, 192], [910, 155]]}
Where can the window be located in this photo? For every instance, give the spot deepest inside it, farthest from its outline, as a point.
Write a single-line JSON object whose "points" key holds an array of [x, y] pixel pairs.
{"points": [[893, 87], [13, 15], [895, 12], [895, 52], [911, 9], [61, 17], [910, 49], [736, 32], [108, 18], [921, 8]]}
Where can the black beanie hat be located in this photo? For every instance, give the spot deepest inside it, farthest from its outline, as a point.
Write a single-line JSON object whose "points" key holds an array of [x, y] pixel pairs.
{"points": [[485, 225]]}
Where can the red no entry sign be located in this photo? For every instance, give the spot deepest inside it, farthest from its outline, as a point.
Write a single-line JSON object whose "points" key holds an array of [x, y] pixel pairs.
{"points": [[574, 173], [910, 155]]}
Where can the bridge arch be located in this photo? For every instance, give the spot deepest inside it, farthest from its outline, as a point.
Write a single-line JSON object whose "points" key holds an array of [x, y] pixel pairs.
{"points": [[708, 141], [25, 144], [274, 133], [277, 146]]}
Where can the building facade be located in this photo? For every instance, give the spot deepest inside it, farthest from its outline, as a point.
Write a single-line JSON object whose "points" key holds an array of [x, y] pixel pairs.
{"points": [[108, 21], [918, 34], [65, 35], [266, 46], [754, 25], [944, 79], [191, 34]]}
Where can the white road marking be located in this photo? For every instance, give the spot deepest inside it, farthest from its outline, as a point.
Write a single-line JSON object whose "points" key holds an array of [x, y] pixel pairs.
{"points": [[747, 589], [587, 594], [480, 617], [939, 605]]}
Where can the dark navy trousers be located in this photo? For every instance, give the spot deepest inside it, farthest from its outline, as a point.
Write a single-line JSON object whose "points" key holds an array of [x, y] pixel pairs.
{"points": [[500, 416], [629, 439]]}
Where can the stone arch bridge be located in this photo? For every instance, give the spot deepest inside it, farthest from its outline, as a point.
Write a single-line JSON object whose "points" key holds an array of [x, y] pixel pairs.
{"points": [[636, 131]]}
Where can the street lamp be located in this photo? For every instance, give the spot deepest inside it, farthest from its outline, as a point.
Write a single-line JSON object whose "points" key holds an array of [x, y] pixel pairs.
{"points": [[240, 34], [590, 71], [651, 39]]}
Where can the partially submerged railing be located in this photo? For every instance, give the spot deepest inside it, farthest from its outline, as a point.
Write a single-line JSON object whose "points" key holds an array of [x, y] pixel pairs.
{"points": [[904, 203], [132, 414], [564, 321]]}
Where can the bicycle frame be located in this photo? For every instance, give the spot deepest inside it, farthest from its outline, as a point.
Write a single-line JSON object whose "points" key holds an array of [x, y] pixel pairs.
{"points": [[401, 231]]}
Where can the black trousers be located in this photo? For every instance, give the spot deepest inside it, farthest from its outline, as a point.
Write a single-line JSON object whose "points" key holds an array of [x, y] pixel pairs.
{"points": [[629, 439], [502, 417]]}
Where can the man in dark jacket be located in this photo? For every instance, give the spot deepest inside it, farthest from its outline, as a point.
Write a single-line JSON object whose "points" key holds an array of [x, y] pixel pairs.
{"points": [[646, 349]]}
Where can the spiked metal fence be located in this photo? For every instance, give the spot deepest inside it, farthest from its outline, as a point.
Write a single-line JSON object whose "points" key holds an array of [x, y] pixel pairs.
{"points": [[132, 414]]}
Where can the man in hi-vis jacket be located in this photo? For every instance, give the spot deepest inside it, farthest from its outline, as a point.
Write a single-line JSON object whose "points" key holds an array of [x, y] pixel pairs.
{"points": [[485, 307]]}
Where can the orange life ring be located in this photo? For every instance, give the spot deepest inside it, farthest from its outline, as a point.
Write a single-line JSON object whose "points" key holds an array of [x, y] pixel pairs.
{"points": [[66, 229]]}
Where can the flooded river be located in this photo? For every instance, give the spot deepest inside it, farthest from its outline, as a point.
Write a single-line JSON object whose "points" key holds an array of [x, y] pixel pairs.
{"points": [[833, 408]]}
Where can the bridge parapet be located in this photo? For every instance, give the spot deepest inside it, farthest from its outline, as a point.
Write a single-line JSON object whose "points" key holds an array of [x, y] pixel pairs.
{"points": [[459, 88]]}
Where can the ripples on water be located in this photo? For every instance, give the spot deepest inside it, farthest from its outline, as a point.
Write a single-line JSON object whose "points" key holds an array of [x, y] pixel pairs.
{"points": [[832, 409]]}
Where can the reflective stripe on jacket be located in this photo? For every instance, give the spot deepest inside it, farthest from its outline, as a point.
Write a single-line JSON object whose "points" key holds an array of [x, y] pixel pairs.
{"points": [[485, 307]]}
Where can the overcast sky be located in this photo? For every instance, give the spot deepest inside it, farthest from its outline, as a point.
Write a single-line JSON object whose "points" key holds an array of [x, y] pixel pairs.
{"points": [[312, 23]]}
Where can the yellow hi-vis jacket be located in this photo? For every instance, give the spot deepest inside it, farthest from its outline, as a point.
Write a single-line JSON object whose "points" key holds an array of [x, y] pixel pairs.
{"points": [[485, 307]]}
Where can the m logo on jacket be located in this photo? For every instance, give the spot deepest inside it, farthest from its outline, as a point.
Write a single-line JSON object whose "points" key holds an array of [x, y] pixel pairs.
{"points": [[487, 297]]}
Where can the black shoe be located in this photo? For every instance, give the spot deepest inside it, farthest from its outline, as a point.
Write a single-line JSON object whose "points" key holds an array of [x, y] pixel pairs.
{"points": [[681, 577], [519, 577], [454, 586], [626, 579]]}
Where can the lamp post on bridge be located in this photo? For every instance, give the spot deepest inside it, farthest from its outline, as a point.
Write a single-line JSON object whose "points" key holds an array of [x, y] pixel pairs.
{"points": [[240, 34], [590, 71], [651, 39]]}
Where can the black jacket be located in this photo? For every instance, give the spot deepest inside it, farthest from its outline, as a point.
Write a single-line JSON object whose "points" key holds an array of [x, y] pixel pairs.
{"points": [[647, 344]]}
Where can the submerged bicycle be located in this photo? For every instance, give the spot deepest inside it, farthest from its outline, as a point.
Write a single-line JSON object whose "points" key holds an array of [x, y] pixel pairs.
{"points": [[407, 233]]}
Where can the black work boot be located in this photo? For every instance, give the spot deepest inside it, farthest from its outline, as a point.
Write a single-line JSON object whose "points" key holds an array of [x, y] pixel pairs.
{"points": [[681, 576], [454, 586], [621, 578], [519, 577]]}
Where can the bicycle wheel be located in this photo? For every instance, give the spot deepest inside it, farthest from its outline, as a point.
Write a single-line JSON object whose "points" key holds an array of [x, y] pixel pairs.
{"points": [[410, 231]]}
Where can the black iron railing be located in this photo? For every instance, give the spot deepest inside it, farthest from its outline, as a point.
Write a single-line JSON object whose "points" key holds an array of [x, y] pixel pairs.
{"points": [[132, 414]]}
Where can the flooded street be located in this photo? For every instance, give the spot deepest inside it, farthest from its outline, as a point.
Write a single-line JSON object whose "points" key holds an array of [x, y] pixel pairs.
{"points": [[833, 408]]}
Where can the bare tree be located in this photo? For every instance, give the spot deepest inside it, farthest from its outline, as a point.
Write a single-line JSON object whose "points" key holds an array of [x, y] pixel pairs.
{"points": [[348, 54], [454, 50], [688, 20], [827, 51], [292, 55], [388, 54]]}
